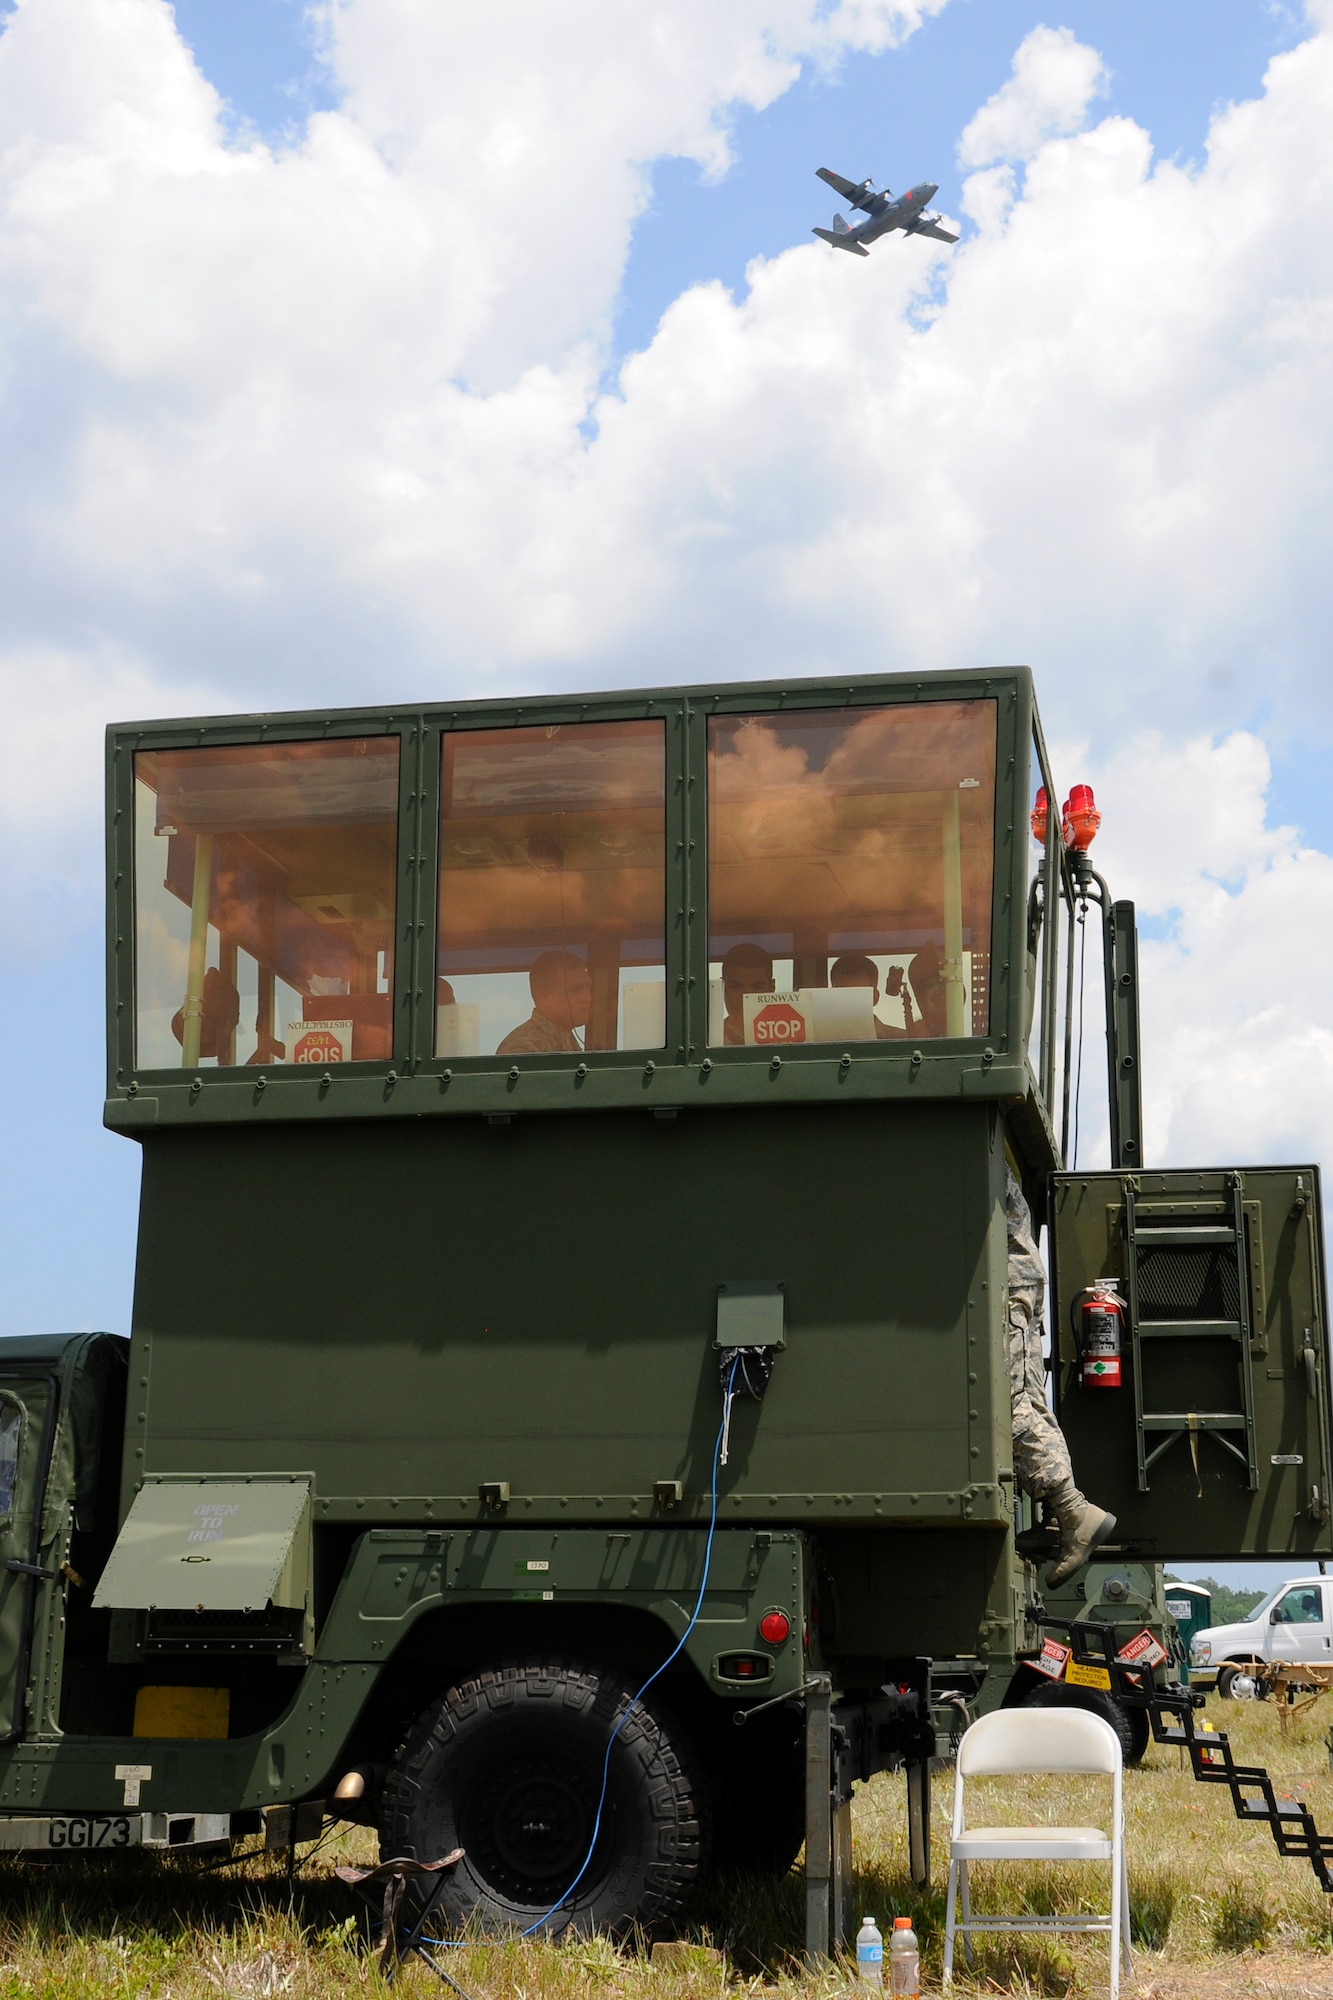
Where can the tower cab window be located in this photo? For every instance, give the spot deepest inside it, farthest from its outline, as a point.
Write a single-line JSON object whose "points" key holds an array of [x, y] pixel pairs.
{"points": [[850, 874], [552, 919], [264, 903]]}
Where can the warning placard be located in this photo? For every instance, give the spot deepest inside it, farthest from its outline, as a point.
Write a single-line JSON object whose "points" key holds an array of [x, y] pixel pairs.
{"points": [[1143, 1651], [1052, 1658], [321, 1042], [1077, 1675]]}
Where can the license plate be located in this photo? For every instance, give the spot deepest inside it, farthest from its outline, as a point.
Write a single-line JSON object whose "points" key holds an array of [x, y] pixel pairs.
{"points": [[97, 1830]]}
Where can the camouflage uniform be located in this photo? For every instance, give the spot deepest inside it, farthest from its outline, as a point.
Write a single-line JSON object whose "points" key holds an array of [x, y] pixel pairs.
{"points": [[539, 1037], [1041, 1456]]}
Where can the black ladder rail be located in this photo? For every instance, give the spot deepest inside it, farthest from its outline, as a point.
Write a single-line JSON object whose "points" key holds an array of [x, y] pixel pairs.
{"points": [[1160, 1230], [1171, 1709]]}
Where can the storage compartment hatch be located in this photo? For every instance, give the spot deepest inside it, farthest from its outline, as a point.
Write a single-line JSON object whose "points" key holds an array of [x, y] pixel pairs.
{"points": [[195, 1545]]}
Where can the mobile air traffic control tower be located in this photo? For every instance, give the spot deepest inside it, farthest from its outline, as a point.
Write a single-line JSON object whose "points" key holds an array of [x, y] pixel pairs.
{"points": [[572, 1250]]}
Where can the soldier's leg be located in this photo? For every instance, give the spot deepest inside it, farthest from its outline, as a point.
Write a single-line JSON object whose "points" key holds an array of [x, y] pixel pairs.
{"points": [[1041, 1456]]}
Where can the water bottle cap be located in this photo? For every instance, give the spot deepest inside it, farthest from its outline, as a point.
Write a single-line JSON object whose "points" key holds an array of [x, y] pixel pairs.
{"points": [[902, 1923]]}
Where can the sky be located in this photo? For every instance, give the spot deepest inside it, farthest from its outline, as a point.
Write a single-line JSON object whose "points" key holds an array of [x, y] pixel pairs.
{"points": [[387, 350]]}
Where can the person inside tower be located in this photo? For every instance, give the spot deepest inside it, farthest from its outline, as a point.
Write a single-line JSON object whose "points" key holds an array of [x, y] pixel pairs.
{"points": [[746, 968], [1041, 1457], [561, 988]]}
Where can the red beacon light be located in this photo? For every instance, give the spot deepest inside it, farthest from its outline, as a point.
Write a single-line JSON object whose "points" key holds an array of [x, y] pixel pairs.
{"points": [[1038, 817], [775, 1628], [1080, 819]]}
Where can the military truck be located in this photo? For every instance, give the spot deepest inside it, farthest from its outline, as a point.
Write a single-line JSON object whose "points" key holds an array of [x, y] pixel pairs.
{"points": [[566, 1410]]}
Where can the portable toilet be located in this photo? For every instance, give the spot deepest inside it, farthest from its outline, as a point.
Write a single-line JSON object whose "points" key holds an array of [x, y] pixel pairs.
{"points": [[1191, 1605]]}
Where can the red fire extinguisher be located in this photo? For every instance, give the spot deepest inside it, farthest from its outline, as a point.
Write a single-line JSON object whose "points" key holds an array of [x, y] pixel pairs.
{"points": [[1098, 1316]]}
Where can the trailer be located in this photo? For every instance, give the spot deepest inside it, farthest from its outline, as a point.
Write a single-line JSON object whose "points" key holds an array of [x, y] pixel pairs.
{"points": [[566, 1412]]}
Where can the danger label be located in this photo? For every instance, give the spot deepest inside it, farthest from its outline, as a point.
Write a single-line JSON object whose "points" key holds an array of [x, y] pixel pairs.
{"points": [[1052, 1659], [322, 1042], [1143, 1651]]}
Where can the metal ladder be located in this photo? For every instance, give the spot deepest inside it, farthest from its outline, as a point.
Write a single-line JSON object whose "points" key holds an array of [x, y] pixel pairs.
{"points": [[1254, 1796], [1227, 1426]]}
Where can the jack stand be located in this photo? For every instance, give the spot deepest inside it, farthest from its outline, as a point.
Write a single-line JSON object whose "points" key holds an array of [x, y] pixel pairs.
{"points": [[828, 1834], [918, 1820]]}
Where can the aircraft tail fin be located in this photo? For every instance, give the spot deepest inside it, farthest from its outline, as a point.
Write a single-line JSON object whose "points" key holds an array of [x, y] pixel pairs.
{"points": [[842, 225], [847, 242]]}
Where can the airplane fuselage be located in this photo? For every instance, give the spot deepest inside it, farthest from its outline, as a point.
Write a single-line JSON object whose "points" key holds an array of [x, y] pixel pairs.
{"points": [[899, 212]]}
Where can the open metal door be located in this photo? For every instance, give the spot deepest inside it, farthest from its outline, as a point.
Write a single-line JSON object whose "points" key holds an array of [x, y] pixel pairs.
{"points": [[27, 1424], [1217, 1443]]}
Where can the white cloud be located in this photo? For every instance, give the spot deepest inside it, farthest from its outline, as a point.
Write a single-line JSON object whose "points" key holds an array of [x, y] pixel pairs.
{"points": [[1236, 957], [52, 760], [1055, 78]]}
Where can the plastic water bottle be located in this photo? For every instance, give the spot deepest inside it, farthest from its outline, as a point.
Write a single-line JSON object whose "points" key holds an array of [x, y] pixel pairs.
{"points": [[904, 1960], [870, 1953]]}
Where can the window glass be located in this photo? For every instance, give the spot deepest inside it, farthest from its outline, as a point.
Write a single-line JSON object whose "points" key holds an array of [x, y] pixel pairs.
{"points": [[552, 934], [1301, 1607], [264, 903], [1038, 825], [11, 1436], [850, 866]]}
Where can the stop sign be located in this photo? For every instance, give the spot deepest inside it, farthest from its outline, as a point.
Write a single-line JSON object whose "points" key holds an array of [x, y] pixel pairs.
{"points": [[319, 1045], [779, 1021]]}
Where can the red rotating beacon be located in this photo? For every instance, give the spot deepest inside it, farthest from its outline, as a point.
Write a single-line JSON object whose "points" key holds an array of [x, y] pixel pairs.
{"points": [[1098, 1318]]}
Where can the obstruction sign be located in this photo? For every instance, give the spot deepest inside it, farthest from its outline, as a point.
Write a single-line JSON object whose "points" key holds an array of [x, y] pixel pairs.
{"points": [[775, 1020], [321, 1042]]}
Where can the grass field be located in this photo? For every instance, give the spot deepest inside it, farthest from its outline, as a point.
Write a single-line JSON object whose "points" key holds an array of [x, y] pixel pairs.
{"points": [[1216, 1910]]}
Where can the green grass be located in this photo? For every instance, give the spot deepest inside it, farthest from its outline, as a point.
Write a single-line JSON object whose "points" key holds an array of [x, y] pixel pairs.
{"points": [[1207, 1894]]}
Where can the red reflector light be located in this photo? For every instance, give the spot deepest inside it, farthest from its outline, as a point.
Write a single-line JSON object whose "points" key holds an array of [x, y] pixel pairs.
{"points": [[775, 1628], [744, 1669]]}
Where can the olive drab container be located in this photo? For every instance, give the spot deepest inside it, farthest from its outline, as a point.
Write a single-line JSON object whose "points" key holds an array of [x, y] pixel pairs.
{"points": [[510, 1080]]}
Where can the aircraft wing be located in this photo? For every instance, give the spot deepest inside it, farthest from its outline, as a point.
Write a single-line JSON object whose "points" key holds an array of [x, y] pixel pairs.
{"points": [[849, 191], [839, 242], [934, 229]]}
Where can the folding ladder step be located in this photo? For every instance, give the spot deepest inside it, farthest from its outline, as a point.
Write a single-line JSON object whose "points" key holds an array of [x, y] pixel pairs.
{"points": [[1177, 1236], [1194, 1420], [1189, 1329]]}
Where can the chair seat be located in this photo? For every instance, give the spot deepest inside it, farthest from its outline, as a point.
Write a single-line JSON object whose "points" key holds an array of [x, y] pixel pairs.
{"points": [[1032, 1843]]}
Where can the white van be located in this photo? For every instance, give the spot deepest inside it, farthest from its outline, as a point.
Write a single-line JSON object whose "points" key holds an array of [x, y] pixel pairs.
{"points": [[1293, 1624]]}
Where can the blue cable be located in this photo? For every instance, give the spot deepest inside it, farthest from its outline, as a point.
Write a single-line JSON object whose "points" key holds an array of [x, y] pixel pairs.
{"points": [[657, 1673]]}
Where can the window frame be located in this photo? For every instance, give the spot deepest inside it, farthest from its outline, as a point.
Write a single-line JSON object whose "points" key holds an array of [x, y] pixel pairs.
{"points": [[686, 1072]]}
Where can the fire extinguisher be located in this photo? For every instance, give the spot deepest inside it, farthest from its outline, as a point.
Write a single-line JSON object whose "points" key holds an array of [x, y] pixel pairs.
{"points": [[1098, 1317]]}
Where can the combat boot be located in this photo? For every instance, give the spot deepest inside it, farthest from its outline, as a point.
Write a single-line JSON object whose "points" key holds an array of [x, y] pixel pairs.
{"points": [[1082, 1527]]}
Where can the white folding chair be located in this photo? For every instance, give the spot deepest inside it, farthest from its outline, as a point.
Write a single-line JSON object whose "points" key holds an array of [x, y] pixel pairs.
{"points": [[1019, 1740]]}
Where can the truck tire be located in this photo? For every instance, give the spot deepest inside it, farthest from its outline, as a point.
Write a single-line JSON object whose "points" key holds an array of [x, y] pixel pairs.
{"points": [[1131, 1725], [508, 1766]]}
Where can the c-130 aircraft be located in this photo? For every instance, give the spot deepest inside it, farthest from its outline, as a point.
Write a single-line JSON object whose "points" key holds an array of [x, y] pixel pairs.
{"points": [[883, 213]]}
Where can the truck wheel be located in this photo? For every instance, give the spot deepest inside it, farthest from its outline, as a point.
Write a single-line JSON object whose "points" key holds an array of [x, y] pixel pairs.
{"points": [[1131, 1725], [508, 1766], [1227, 1676]]}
